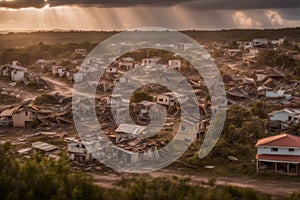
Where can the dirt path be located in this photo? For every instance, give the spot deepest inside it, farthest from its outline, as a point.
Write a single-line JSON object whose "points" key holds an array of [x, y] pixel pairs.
{"points": [[59, 86], [272, 187]]}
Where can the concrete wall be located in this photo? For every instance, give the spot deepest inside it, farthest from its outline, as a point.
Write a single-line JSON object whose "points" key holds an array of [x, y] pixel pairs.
{"points": [[17, 75], [20, 119]]}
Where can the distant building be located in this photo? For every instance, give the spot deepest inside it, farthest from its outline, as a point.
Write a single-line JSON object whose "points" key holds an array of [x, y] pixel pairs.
{"points": [[16, 73], [149, 61], [258, 42], [278, 41], [175, 64], [16, 117], [279, 154], [166, 99]]}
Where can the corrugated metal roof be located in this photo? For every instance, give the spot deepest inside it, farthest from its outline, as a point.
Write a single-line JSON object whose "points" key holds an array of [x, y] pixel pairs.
{"points": [[44, 146], [130, 128]]}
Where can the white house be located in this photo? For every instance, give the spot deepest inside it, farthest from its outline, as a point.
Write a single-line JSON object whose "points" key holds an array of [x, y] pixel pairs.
{"points": [[278, 41], [247, 45], [175, 64], [16, 73], [126, 65], [279, 154], [148, 61], [286, 115], [77, 150], [166, 99]]}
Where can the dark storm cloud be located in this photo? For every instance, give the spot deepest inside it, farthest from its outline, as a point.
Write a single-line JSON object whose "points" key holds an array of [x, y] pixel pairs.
{"points": [[197, 4]]}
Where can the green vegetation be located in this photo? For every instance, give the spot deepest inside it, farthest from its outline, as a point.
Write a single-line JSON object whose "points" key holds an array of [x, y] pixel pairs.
{"points": [[259, 109], [42, 178], [279, 59], [28, 55], [141, 96], [20, 40], [167, 189], [241, 130], [45, 99]]}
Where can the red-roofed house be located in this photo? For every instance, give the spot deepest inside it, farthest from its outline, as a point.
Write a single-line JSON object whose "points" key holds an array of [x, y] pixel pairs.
{"points": [[279, 154]]}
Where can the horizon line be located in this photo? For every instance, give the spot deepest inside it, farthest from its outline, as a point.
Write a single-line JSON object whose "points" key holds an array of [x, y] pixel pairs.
{"points": [[7, 31]]}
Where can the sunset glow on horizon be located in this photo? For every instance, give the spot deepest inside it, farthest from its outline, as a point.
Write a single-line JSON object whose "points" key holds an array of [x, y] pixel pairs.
{"points": [[177, 16]]}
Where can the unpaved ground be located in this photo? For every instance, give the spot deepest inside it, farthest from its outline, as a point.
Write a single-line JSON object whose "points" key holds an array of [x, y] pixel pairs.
{"points": [[272, 187], [59, 86]]}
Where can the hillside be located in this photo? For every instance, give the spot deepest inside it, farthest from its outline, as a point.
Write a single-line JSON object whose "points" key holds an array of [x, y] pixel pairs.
{"points": [[19, 40]]}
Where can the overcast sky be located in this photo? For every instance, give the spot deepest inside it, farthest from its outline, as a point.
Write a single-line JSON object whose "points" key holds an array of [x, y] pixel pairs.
{"points": [[128, 14]]}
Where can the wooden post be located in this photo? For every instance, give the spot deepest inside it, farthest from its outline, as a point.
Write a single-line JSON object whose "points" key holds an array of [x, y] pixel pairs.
{"points": [[275, 167], [288, 168]]}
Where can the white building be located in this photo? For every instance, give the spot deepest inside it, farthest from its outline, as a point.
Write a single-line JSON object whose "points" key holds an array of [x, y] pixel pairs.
{"points": [[175, 64], [77, 150], [126, 65], [166, 99], [16, 73], [149, 61], [279, 154], [248, 45], [286, 115], [278, 41]]}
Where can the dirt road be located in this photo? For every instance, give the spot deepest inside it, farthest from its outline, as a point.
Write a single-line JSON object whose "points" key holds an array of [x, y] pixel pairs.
{"points": [[273, 187], [59, 86]]}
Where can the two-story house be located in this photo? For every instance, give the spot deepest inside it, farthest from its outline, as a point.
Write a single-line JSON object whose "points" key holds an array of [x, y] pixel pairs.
{"points": [[279, 154]]}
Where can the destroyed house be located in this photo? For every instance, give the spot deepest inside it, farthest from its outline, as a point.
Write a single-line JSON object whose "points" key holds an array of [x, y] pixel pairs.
{"points": [[166, 99], [279, 154], [77, 151], [281, 119], [16, 117], [128, 131], [16, 73]]}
